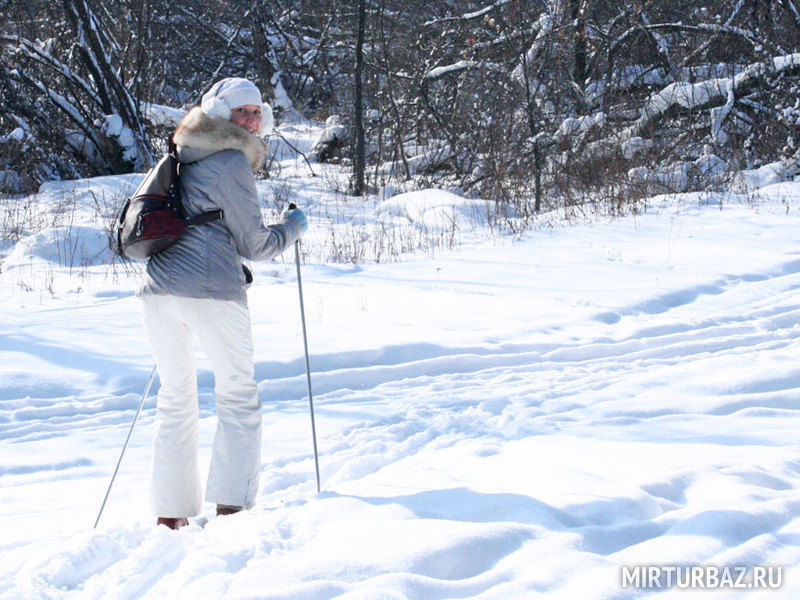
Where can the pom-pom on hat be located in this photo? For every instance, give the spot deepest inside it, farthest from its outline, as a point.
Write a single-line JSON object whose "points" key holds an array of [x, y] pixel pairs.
{"points": [[227, 94]]}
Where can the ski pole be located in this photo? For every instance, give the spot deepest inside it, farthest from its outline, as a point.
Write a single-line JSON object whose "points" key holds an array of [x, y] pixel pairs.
{"points": [[305, 346], [125, 445]]}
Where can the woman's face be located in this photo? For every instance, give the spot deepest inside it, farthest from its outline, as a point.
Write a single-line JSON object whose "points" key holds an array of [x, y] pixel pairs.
{"points": [[247, 117]]}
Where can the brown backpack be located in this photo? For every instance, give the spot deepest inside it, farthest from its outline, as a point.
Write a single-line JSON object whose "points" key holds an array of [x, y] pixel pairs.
{"points": [[153, 218]]}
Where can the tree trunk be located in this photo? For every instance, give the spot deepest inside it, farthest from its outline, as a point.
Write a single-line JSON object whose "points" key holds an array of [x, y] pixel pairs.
{"points": [[96, 47], [262, 65], [359, 160], [537, 162], [578, 21]]}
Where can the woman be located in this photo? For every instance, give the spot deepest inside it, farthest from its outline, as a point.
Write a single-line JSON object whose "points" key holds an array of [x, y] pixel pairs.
{"points": [[197, 288]]}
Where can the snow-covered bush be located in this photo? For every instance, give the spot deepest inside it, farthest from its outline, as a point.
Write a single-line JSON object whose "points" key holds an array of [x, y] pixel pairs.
{"points": [[331, 140]]}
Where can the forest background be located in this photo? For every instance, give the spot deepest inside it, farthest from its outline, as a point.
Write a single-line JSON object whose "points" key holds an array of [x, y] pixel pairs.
{"points": [[531, 103]]}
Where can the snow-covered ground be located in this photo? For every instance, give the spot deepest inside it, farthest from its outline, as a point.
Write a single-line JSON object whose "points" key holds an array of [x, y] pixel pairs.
{"points": [[510, 418]]}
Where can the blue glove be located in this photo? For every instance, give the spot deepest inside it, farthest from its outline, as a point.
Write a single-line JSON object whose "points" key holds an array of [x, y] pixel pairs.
{"points": [[296, 215]]}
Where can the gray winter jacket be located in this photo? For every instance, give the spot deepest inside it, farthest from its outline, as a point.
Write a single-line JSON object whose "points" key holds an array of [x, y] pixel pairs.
{"points": [[217, 158]]}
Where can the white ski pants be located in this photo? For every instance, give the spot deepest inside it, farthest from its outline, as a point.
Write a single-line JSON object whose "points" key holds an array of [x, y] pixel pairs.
{"points": [[223, 328]]}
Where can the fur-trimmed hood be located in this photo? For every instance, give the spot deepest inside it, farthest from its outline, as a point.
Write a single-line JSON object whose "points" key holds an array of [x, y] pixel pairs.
{"points": [[199, 135]]}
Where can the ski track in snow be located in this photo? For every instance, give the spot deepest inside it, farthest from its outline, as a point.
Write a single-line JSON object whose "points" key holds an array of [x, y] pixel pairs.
{"points": [[485, 400]]}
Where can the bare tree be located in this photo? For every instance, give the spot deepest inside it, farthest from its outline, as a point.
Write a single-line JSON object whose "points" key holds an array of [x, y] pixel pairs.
{"points": [[539, 103], [92, 107], [358, 108]]}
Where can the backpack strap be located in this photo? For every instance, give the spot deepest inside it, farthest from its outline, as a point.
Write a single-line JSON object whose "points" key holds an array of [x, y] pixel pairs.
{"points": [[172, 147], [203, 218], [175, 178]]}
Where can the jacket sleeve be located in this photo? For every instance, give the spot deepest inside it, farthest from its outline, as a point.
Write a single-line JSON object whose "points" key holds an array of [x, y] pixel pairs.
{"points": [[237, 197]]}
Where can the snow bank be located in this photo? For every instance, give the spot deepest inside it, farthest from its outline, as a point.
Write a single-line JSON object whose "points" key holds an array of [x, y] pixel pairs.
{"points": [[435, 210], [754, 179], [676, 176], [104, 194], [76, 246]]}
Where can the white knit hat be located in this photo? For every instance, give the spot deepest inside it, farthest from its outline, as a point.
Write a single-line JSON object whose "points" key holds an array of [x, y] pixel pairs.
{"points": [[227, 94]]}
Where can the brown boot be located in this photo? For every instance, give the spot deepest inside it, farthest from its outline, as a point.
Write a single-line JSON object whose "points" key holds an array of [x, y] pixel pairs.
{"points": [[173, 522], [227, 509]]}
